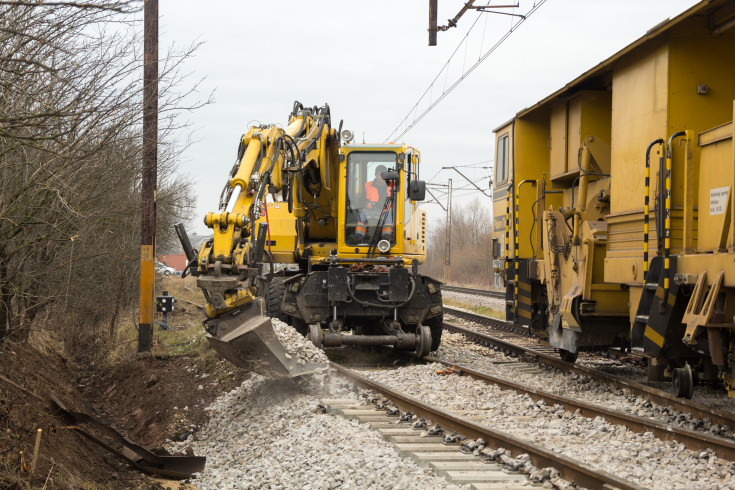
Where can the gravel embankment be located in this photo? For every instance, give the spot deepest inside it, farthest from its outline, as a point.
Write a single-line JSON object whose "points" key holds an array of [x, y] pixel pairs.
{"points": [[272, 433], [640, 458]]}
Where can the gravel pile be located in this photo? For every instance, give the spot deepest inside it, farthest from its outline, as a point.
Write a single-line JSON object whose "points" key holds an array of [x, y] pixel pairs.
{"points": [[474, 300], [639, 458], [296, 344], [457, 349], [273, 433]]}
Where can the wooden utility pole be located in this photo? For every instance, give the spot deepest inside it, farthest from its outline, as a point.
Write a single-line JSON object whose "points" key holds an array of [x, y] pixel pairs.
{"points": [[432, 22], [150, 164]]}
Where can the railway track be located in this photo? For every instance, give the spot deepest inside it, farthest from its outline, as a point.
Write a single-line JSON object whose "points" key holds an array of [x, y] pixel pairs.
{"points": [[478, 292], [508, 342], [494, 323], [693, 440], [569, 469]]}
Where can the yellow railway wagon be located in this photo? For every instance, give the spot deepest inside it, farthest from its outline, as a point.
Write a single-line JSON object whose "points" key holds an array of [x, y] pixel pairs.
{"points": [[613, 203]]}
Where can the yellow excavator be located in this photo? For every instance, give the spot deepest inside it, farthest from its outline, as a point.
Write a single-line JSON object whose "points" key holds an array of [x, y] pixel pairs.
{"points": [[322, 233]]}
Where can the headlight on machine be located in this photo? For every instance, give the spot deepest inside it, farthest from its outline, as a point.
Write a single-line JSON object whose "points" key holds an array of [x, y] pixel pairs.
{"points": [[347, 135], [383, 246]]}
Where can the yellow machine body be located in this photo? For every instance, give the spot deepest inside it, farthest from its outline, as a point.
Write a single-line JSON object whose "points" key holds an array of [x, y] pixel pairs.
{"points": [[571, 182], [286, 243]]}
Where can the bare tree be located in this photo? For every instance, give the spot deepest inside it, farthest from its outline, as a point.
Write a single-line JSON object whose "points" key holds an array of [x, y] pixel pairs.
{"points": [[70, 149], [471, 242]]}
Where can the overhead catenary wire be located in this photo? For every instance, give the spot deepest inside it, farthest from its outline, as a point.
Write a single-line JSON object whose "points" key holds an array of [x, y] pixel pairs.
{"points": [[395, 135], [476, 165], [431, 85], [440, 190]]}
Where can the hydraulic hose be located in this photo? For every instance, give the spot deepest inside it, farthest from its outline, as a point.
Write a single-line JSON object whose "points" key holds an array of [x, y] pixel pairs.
{"points": [[387, 205]]}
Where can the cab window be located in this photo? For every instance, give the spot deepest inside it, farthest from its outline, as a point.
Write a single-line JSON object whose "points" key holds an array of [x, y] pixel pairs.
{"points": [[370, 202], [501, 160]]}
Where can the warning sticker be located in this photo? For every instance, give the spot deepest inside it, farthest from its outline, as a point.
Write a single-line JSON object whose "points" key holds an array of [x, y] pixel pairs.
{"points": [[718, 200]]}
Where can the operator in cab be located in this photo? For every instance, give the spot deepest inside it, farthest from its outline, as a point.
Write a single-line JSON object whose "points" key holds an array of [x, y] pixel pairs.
{"points": [[377, 192]]}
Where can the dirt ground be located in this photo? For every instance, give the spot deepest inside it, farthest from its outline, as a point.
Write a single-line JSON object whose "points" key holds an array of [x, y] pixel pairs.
{"points": [[148, 398]]}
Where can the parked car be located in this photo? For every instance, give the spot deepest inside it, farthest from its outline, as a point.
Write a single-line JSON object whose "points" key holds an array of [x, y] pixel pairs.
{"points": [[164, 269]]}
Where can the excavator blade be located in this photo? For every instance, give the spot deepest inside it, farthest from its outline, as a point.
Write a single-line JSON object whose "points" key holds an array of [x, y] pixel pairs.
{"points": [[246, 339]]}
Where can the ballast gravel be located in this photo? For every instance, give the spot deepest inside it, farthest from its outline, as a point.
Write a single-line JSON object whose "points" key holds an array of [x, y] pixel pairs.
{"points": [[639, 458], [296, 344], [273, 433], [456, 348], [270, 433]]}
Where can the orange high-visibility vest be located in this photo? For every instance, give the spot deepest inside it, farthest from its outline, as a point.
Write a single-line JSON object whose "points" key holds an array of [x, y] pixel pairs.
{"points": [[371, 192]]}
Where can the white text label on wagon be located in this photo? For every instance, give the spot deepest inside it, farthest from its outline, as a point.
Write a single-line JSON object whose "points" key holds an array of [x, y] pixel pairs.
{"points": [[718, 200]]}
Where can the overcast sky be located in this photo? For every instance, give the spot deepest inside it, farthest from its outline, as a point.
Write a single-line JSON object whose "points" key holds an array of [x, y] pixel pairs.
{"points": [[370, 61]]}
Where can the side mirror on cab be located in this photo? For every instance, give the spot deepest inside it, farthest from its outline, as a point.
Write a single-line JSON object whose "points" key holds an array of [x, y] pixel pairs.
{"points": [[417, 190]]}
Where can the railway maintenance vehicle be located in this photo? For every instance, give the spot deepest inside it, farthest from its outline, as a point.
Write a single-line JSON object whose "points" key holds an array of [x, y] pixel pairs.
{"points": [[343, 226], [614, 214]]}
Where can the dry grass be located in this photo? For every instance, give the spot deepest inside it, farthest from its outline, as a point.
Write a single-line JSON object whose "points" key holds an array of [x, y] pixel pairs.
{"points": [[186, 333]]}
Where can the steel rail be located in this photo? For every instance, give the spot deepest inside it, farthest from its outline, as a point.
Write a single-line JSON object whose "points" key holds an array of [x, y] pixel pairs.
{"points": [[495, 323], [569, 469], [651, 394], [478, 292], [693, 440]]}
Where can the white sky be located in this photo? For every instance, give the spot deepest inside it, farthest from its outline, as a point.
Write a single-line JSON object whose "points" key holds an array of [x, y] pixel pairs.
{"points": [[369, 60]]}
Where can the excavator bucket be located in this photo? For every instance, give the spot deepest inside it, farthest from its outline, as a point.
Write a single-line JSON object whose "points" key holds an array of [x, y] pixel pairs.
{"points": [[246, 339]]}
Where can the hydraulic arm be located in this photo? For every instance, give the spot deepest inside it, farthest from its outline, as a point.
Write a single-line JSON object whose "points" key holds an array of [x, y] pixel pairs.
{"points": [[270, 160]]}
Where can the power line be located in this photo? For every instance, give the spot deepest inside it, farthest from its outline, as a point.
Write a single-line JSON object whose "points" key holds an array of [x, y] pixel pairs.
{"points": [[464, 75], [470, 193], [466, 178], [431, 85], [475, 165], [439, 191]]}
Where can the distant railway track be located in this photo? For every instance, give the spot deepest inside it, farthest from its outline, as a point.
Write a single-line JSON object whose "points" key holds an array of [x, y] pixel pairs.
{"points": [[494, 323], [544, 356], [569, 469], [478, 292]]}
